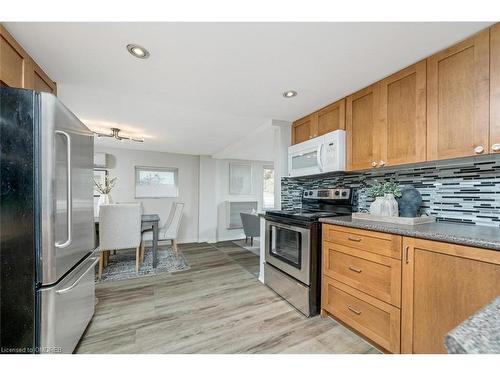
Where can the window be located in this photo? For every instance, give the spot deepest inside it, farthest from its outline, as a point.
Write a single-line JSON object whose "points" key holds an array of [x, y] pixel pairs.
{"points": [[268, 195], [154, 182]]}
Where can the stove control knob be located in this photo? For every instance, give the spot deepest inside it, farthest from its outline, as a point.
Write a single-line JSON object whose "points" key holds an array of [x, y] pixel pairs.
{"points": [[337, 193], [344, 193]]}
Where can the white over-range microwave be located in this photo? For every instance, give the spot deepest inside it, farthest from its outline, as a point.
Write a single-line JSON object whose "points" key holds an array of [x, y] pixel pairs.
{"points": [[318, 155]]}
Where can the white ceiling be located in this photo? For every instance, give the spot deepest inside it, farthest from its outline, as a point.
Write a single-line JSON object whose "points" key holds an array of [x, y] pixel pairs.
{"points": [[207, 85]]}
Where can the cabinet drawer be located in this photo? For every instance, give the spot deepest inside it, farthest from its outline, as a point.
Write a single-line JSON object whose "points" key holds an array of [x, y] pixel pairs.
{"points": [[376, 320], [374, 274], [375, 242]]}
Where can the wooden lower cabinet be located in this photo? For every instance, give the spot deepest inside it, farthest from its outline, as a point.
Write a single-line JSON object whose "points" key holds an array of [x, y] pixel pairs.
{"points": [[373, 274], [443, 285], [361, 282], [375, 242], [409, 301], [376, 320]]}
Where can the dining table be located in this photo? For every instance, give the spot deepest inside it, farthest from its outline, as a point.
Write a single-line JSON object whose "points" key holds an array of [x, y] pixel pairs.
{"points": [[148, 222]]}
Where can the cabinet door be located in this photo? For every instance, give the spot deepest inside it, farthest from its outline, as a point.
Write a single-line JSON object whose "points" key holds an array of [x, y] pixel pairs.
{"points": [[495, 89], [443, 285], [331, 118], [302, 129], [42, 82], [15, 64], [362, 126], [403, 115], [458, 99]]}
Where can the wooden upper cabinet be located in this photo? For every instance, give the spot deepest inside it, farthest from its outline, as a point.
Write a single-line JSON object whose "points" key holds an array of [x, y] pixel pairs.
{"points": [[326, 120], [363, 128], [495, 89], [458, 99], [403, 116], [302, 130], [443, 285], [331, 118], [16, 67], [42, 82]]}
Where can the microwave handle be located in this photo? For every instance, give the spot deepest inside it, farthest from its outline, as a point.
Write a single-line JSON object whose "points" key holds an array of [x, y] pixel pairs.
{"points": [[319, 157]]}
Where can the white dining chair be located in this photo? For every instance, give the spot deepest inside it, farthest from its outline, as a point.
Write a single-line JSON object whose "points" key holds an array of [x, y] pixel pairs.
{"points": [[169, 231], [136, 202], [119, 228]]}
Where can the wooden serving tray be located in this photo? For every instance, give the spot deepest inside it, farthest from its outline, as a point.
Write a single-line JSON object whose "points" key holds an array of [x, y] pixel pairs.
{"points": [[394, 219]]}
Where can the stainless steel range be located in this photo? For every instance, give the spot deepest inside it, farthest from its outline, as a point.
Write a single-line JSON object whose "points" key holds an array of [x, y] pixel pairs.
{"points": [[293, 246]]}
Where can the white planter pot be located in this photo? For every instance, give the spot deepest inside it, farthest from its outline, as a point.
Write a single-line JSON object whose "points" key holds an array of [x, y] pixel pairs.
{"points": [[390, 206], [376, 206], [103, 199]]}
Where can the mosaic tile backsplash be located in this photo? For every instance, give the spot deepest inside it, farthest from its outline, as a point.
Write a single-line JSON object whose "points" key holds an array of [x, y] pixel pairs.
{"points": [[464, 190]]}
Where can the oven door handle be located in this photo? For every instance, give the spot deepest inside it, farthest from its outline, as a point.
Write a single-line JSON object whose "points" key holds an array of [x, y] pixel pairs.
{"points": [[287, 226]]}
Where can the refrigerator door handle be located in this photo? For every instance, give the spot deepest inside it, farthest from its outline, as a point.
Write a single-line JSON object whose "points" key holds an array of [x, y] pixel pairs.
{"points": [[68, 289], [69, 199]]}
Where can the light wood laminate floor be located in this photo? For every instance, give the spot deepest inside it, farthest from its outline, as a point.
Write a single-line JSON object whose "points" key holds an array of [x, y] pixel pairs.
{"points": [[218, 306]]}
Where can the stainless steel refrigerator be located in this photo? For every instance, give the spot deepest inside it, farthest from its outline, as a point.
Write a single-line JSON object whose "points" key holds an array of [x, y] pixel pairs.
{"points": [[46, 224]]}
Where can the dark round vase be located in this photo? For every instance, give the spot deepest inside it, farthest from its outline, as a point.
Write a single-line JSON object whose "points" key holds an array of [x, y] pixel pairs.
{"points": [[409, 202]]}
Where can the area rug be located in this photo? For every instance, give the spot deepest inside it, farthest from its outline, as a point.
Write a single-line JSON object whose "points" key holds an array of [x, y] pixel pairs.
{"points": [[122, 265], [254, 249]]}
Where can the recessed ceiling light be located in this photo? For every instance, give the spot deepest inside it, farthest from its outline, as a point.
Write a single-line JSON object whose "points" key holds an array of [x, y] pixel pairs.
{"points": [[138, 51], [289, 94]]}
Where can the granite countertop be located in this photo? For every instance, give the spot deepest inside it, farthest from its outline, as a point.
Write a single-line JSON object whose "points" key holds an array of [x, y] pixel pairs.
{"points": [[462, 234], [480, 334]]}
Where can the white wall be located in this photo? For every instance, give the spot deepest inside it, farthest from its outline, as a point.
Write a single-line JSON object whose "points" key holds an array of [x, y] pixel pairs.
{"points": [[222, 195], [282, 139], [207, 221], [121, 164], [256, 145], [214, 192]]}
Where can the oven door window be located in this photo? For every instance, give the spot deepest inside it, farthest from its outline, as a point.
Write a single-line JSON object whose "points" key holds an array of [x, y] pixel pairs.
{"points": [[286, 245]]}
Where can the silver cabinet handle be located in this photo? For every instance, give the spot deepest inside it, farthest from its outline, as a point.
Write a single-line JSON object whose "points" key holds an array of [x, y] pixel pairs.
{"points": [[374, 164], [68, 289], [382, 163], [479, 149], [495, 147], [354, 269], [407, 255], [69, 207], [357, 312], [355, 239]]}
